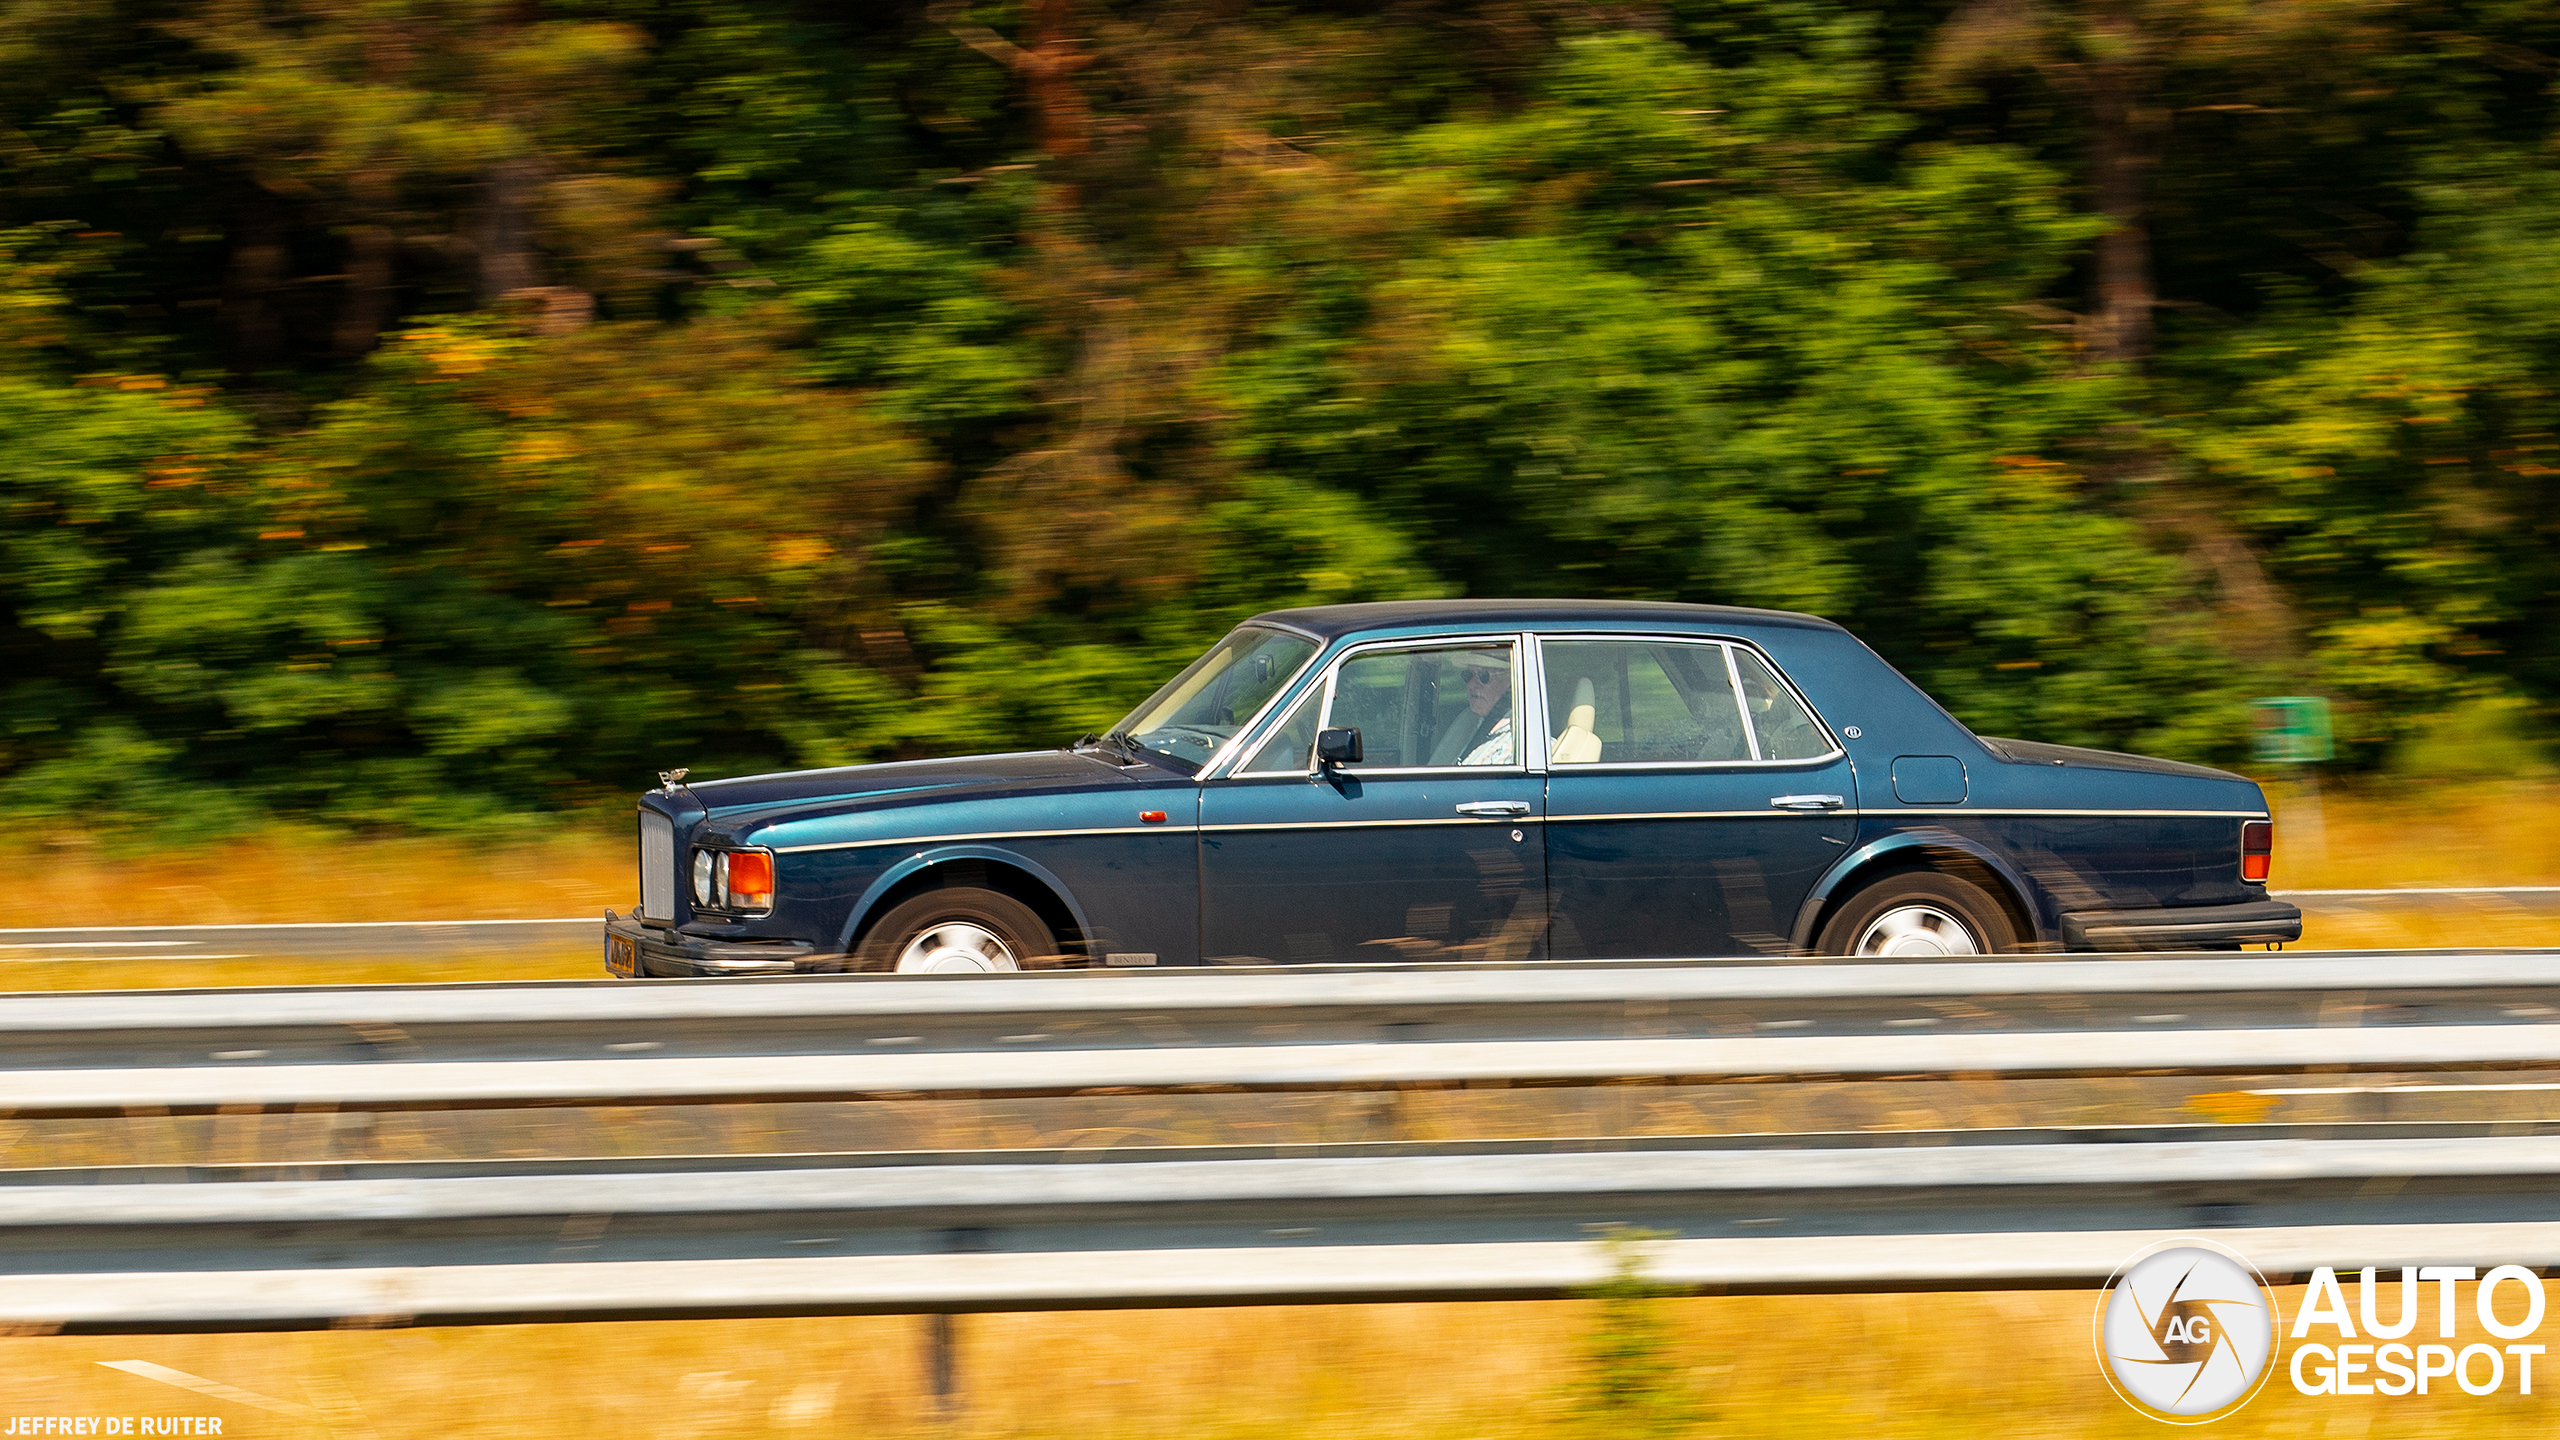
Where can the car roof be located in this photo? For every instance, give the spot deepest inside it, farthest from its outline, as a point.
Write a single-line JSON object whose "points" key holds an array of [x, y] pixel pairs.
{"points": [[1332, 621]]}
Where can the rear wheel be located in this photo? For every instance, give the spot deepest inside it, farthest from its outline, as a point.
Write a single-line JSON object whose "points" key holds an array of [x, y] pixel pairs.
{"points": [[1916, 914], [956, 931]]}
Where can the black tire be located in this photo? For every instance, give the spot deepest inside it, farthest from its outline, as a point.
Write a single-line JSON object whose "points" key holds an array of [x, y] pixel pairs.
{"points": [[1898, 915], [1024, 939]]}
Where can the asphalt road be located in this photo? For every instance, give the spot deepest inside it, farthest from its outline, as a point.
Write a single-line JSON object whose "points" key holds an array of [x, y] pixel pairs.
{"points": [[438, 939]]}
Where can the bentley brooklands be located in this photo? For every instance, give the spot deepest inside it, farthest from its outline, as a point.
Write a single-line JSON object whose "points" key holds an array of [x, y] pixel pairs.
{"points": [[1466, 780]]}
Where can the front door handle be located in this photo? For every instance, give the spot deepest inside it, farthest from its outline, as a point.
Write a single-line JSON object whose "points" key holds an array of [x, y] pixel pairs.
{"points": [[1807, 802], [1495, 809]]}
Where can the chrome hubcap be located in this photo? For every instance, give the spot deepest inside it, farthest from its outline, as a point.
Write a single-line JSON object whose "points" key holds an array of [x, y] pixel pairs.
{"points": [[1917, 930], [957, 946]]}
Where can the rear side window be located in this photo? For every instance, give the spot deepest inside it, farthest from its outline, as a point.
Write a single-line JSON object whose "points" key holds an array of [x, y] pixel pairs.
{"points": [[1641, 702], [1786, 729]]}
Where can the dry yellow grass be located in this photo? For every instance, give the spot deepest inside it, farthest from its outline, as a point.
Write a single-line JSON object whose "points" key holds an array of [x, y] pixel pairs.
{"points": [[2408, 833], [534, 962], [286, 875], [1891, 1367]]}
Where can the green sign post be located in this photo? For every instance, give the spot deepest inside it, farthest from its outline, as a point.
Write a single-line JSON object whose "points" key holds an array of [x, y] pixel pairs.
{"points": [[2290, 730], [2293, 730]]}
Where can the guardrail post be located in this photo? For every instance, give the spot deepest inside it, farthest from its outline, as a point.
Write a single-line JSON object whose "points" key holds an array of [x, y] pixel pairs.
{"points": [[942, 1338], [942, 1365]]}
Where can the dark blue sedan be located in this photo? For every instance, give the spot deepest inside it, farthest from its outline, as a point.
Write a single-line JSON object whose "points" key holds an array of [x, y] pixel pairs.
{"points": [[1467, 780]]}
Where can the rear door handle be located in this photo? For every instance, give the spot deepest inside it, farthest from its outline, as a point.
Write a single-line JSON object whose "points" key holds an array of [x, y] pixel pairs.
{"points": [[1805, 802], [1495, 809]]}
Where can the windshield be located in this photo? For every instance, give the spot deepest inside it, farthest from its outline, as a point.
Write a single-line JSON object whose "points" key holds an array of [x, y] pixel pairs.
{"points": [[1203, 707]]}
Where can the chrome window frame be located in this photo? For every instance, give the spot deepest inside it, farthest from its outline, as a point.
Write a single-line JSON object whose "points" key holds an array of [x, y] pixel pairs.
{"points": [[1320, 693], [1228, 751], [1733, 677], [1527, 709]]}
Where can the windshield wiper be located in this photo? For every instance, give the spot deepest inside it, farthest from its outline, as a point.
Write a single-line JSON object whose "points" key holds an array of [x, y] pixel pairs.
{"points": [[1118, 742]]}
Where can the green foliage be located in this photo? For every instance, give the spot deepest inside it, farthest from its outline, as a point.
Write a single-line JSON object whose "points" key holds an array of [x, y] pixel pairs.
{"points": [[1635, 1378], [416, 414]]}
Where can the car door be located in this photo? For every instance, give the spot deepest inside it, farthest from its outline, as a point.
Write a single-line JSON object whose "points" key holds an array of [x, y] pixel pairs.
{"points": [[1427, 848], [1693, 799]]}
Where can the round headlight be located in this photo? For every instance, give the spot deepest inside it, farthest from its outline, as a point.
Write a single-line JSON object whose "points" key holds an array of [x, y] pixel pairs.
{"points": [[701, 877], [720, 876]]}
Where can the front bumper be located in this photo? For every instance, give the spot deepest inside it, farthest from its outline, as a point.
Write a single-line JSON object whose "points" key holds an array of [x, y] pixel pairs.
{"points": [[2192, 927], [672, 953]]}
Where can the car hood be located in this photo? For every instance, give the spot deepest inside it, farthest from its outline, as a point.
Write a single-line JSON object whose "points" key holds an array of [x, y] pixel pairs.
{"points": [[768, 799], [2036, 752]]}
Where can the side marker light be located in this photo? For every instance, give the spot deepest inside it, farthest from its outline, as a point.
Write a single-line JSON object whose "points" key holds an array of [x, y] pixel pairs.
{"points": [[750, 880]]}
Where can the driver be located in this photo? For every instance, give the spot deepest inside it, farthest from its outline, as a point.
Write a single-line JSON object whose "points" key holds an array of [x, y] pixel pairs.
{"points": [[1481, 734]]}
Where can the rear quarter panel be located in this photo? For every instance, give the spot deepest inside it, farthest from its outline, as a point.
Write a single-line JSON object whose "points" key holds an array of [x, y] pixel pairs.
{"points": [[2073, 837]]}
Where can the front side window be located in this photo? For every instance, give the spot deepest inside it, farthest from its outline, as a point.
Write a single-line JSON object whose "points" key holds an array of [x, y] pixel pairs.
{"points": [[1642, 702], [1200, 709], [1440, 705]]}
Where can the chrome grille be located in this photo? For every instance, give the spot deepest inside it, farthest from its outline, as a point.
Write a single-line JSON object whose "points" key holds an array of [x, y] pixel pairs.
{"points": [[657, 866]]}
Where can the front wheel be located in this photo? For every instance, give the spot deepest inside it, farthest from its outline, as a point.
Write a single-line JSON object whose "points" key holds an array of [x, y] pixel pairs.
{"points": [[956, 931], [1916, 915]]}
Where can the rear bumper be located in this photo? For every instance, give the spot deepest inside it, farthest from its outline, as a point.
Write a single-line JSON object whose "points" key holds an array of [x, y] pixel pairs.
{"points": [[2192, 927], [670, 953]]}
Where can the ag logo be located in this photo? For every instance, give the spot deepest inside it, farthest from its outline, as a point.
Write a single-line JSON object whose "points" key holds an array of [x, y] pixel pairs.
{"points": [[2185, 1331]]}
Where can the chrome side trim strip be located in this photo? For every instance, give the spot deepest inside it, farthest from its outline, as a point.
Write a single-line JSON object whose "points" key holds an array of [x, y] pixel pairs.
{"points": [[1520, 820], [1763, 814], [1462, 820], [984, 835], [1605, 766], [1558, 819], [2098, 814]]}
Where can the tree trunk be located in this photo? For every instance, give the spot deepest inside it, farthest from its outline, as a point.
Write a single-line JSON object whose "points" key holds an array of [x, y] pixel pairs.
{"points": [[2120, 332], [1065, 119], [249, 291], [371, 250], [505, 238]]}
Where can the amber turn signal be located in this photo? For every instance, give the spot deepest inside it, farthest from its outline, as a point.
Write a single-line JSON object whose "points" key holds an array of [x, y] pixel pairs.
{"points": [[750, 879], [2257, 848], [1151, 817]]}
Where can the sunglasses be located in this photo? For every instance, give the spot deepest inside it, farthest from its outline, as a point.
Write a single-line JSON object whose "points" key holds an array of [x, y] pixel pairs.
{"points": [[1478, 675]]}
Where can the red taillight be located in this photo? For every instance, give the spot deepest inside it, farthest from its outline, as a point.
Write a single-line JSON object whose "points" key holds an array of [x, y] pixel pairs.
{"points": [[750, 880], [2257, 848]]}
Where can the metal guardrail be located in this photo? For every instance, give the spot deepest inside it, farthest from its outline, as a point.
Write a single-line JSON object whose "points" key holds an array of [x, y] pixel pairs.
{"points": [[426, 1244], [130, 1249], [854, 1037]]}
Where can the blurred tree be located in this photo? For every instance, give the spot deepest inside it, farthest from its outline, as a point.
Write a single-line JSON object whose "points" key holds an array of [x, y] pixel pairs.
{"points": [[377, 117], [2127, 67], [739, 383]]}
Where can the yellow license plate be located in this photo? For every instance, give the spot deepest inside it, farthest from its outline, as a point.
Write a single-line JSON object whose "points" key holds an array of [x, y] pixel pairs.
{"points": [[621, 956]]}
